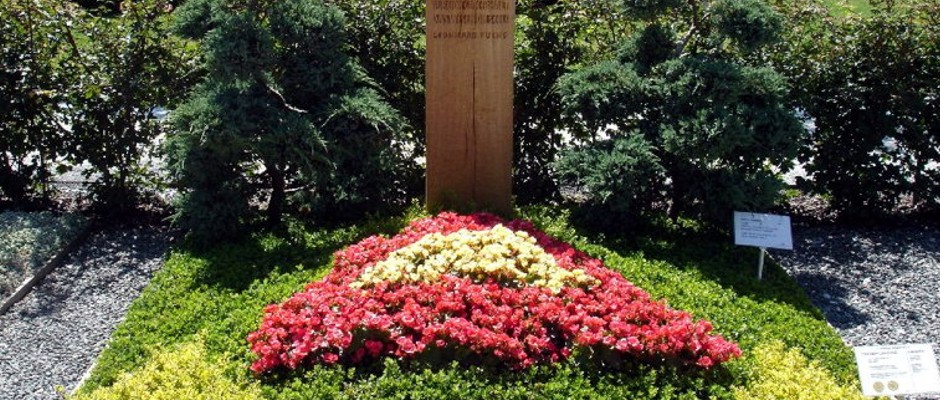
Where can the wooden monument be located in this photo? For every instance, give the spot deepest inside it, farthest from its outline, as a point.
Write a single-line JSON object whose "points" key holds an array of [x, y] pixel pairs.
{"points": [[469, 93]]}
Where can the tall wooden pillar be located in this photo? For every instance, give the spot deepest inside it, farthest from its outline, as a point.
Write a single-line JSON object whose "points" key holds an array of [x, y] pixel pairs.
{"points": [[469, 93]]}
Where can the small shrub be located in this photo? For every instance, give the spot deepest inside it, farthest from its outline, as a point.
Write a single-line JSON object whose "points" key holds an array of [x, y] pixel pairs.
{"points": [[621, 175], [717, 125], [129, 65], [183, 372], [284, 117], [30, 90], [780, 373]]}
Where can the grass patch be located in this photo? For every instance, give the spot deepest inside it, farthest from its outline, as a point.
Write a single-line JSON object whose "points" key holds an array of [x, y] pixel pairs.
{"points": [[844, 8], [215, 297]]}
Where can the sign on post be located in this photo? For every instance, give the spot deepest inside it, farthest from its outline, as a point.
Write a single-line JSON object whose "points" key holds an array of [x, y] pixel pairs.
{"points": [[763, 231], [897, 369], [469, 95]]}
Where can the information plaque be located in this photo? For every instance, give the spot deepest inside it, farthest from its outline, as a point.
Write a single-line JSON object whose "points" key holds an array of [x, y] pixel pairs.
{"points": [[897, 369], [762, 230]]}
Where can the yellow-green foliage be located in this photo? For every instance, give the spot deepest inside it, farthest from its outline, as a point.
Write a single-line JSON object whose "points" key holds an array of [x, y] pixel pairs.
{"points": [[780, 373], [501, 253], [181, 374]]}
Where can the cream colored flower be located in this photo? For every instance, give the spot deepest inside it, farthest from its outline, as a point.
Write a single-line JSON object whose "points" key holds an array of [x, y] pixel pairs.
{"points": [[507, 256]]}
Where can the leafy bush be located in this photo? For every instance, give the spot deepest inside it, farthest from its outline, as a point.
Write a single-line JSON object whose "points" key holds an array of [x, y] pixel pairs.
{"points": [[181, 372], [780, 373], [283, 109], [717, 126], [82, 90], [130, 66], [30, 89], [870, 84]]}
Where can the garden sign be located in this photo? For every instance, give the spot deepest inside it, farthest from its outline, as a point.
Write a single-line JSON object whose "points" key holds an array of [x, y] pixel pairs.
{"points": [[897, 369], [469, 96], [763, 231]]}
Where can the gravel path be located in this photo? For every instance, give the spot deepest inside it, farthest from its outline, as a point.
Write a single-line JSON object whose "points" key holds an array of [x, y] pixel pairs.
{"points": [[876, 287], [53, 336]]}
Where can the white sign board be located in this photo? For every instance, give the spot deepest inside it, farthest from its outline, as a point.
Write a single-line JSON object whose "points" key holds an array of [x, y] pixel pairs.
{"points": [[897, 369], [762, 230]]}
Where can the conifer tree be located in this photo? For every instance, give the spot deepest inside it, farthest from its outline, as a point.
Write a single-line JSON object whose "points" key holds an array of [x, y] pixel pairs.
{"points": [[279, 108], [708, 128]]}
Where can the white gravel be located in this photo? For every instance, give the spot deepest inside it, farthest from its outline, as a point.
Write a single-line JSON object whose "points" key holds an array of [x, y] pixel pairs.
{"points": [[876, 287], [54, 334]]}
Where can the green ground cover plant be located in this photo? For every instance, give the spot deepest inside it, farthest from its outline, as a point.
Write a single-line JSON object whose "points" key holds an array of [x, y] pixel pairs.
{"points": [[215, 297], [29, 240]]}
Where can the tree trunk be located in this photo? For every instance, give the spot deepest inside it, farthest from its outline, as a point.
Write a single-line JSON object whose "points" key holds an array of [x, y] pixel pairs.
{"points": [[276, 203]]}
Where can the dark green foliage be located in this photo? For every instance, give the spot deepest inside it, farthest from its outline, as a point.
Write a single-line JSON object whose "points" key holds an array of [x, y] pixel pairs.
{"points": [[621, 175], [283, 110], [599, 95], [110, 7], [750, 23], [551, 37], [717, 126], [649, 9], [387, 37], [872, 86], [29, 91], [220, 293], [652, 46], [369, 170], [81, 89]]}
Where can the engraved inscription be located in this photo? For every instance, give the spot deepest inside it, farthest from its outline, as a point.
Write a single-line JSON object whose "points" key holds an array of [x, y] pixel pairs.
{"points": [[464, 19], [470, 5], [470, 19]]}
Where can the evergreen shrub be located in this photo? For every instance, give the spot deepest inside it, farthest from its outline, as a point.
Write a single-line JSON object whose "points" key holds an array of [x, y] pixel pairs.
{"points": [[718, 126], [284, 117], [621, 175]]}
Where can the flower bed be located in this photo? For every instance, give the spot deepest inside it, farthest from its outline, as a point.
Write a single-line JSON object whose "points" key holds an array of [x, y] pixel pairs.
{"points": [[476, 286]]}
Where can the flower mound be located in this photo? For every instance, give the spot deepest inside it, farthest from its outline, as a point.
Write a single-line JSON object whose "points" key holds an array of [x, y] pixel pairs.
{"points": [[476, 285], [513, 258]]}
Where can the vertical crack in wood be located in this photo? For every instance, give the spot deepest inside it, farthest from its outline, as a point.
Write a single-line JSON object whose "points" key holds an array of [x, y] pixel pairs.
{"points": [[474, 152]]}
